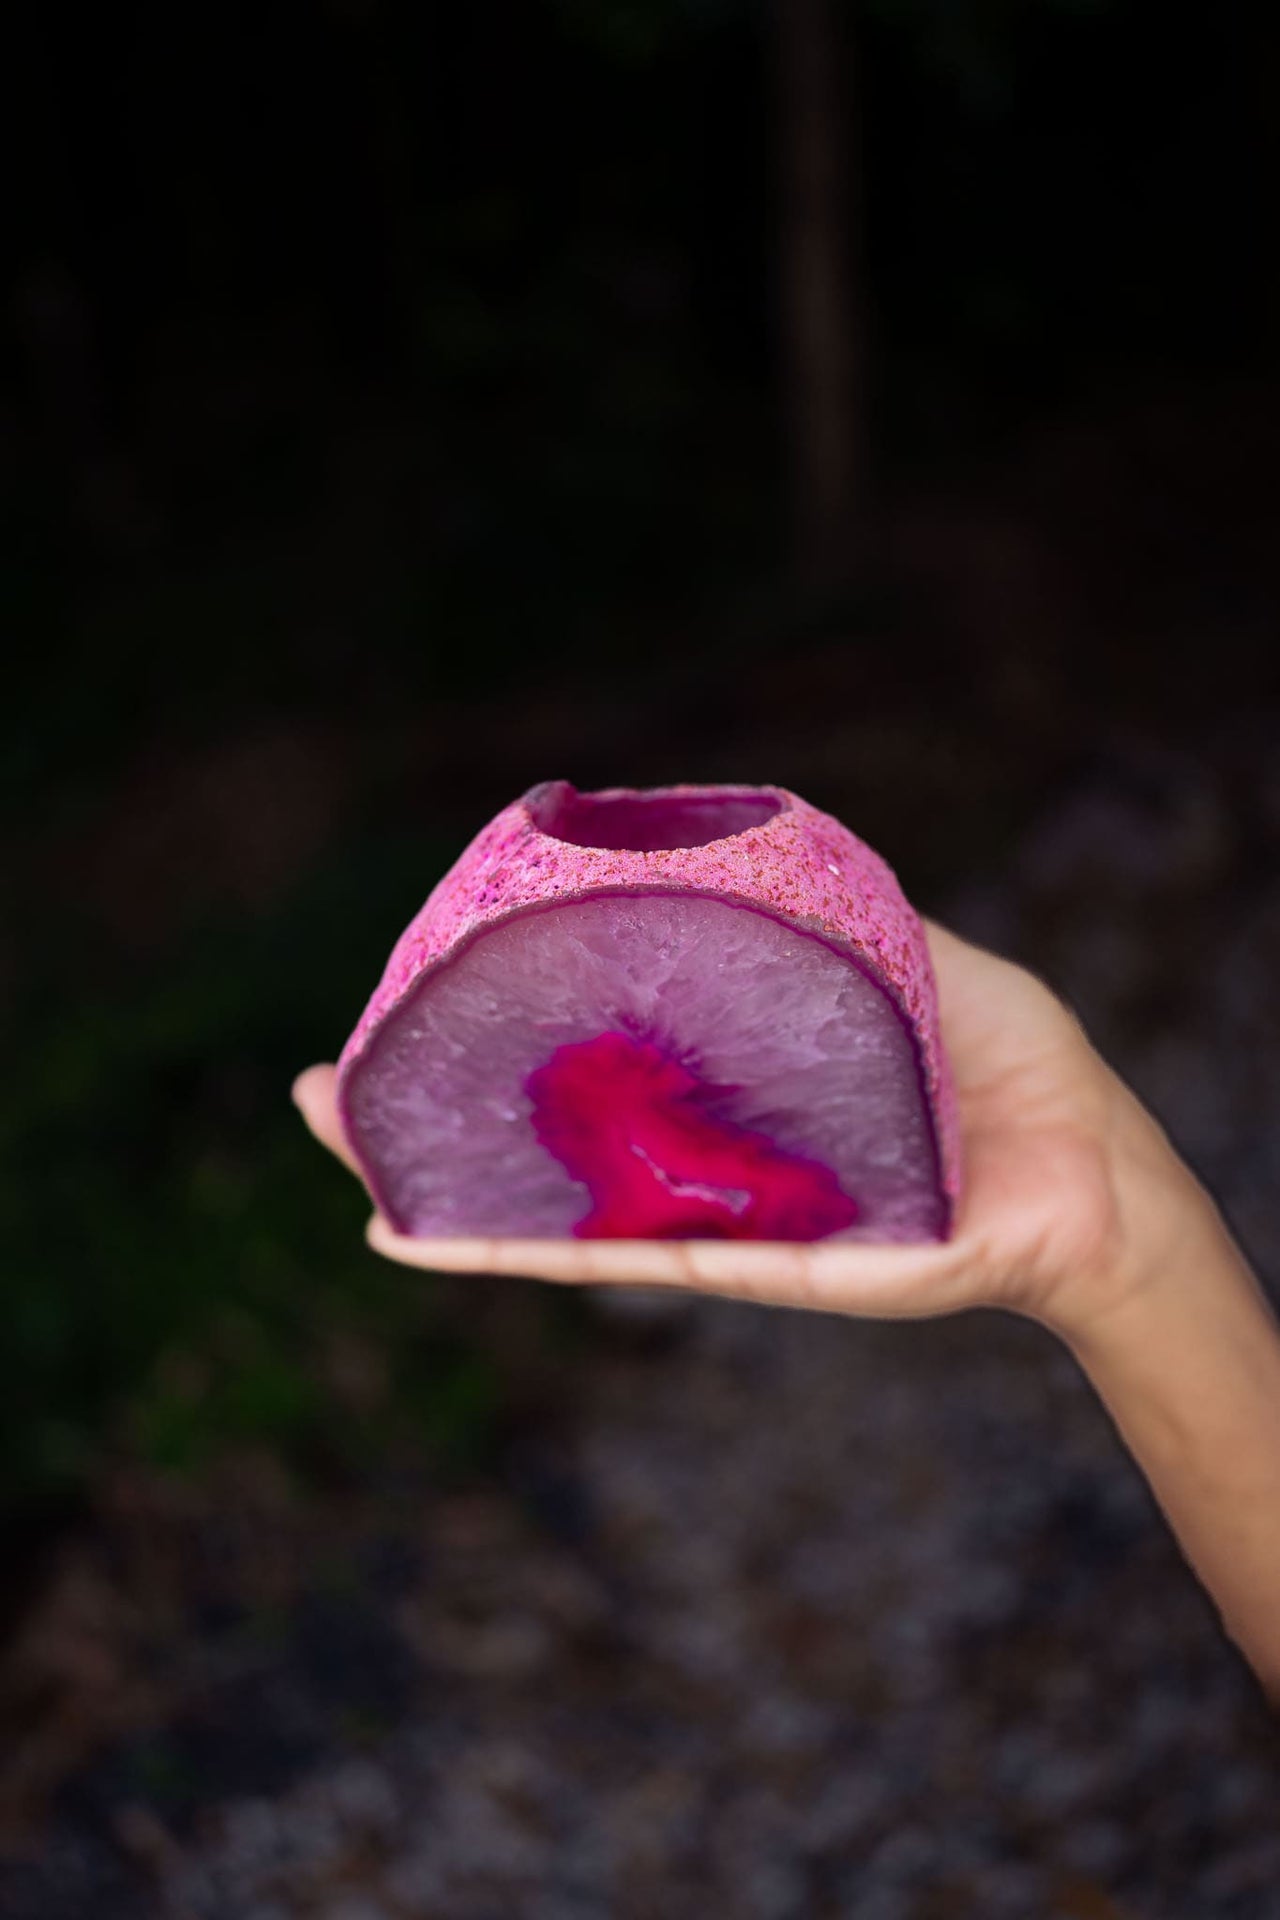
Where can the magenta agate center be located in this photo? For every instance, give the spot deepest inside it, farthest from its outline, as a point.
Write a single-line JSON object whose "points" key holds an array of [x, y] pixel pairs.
{"points": [[628, 1122]]}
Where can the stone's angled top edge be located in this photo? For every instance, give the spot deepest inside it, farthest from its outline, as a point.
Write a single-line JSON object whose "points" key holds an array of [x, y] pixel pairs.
{"points": [[801, 865]]}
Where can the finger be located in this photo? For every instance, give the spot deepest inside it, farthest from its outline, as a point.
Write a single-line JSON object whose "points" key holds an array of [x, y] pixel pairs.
{"points": [[878, 1281], [314, 1095], [573, 1262]]}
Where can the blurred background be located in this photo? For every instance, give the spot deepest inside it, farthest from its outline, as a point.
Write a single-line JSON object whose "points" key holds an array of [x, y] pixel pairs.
{"points": [[404, 404]]}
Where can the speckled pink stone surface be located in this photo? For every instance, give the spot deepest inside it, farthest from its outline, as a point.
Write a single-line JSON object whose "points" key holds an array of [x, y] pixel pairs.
{"points": [[801, 866]]}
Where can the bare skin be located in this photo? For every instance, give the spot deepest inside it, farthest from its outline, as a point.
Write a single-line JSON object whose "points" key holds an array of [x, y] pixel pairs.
{"points": [[1076, 1213]]}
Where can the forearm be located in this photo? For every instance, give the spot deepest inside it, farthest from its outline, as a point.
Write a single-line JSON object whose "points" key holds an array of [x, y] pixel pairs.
{"points": [[1188, 1365]]}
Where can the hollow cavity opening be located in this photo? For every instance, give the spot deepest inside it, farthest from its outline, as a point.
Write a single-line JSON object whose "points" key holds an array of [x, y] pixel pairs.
{"points": [[651, 822]]}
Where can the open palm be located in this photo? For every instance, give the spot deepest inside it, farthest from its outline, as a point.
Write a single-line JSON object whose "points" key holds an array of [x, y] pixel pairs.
{"points": [[1039, 1117]]}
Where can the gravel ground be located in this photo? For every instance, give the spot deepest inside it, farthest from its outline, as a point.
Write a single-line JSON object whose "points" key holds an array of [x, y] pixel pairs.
{"points": [[788, 1616]]}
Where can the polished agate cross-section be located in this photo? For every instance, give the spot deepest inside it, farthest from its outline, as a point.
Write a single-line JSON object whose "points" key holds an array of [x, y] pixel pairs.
{"points": [[691, 1014]]}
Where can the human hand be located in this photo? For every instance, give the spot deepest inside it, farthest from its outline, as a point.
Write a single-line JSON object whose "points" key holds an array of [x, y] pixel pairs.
{"points": [[1067, 1188], [1075, 1212]]}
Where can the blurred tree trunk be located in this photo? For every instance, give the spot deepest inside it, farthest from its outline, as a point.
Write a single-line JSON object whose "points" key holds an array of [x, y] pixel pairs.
{"points": [[821, 311]]}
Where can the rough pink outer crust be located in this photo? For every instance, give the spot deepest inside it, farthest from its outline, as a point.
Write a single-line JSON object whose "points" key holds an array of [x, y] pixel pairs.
{"points": [[802, 867]]}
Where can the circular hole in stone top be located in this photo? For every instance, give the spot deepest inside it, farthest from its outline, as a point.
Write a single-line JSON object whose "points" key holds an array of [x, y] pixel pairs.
{"points": [[648, 822]]}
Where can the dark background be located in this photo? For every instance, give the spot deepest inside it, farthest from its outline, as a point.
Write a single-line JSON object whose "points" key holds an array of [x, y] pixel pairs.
{"points": [[400, 405]]}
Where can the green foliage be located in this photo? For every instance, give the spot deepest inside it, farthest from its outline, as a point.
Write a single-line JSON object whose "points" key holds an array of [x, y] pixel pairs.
{"points": [[182, 1258]]}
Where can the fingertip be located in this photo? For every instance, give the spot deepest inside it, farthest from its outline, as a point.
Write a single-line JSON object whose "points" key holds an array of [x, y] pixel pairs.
{"points": [[377, 1233], [309, 1083], [461, 1254]]}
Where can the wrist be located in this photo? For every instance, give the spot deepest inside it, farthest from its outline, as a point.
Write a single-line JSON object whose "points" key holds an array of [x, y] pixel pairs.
{"points": [[1165, 1232]]}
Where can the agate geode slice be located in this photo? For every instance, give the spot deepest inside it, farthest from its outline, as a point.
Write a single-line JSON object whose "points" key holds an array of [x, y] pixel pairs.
{"points": [[685, 1013]]}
